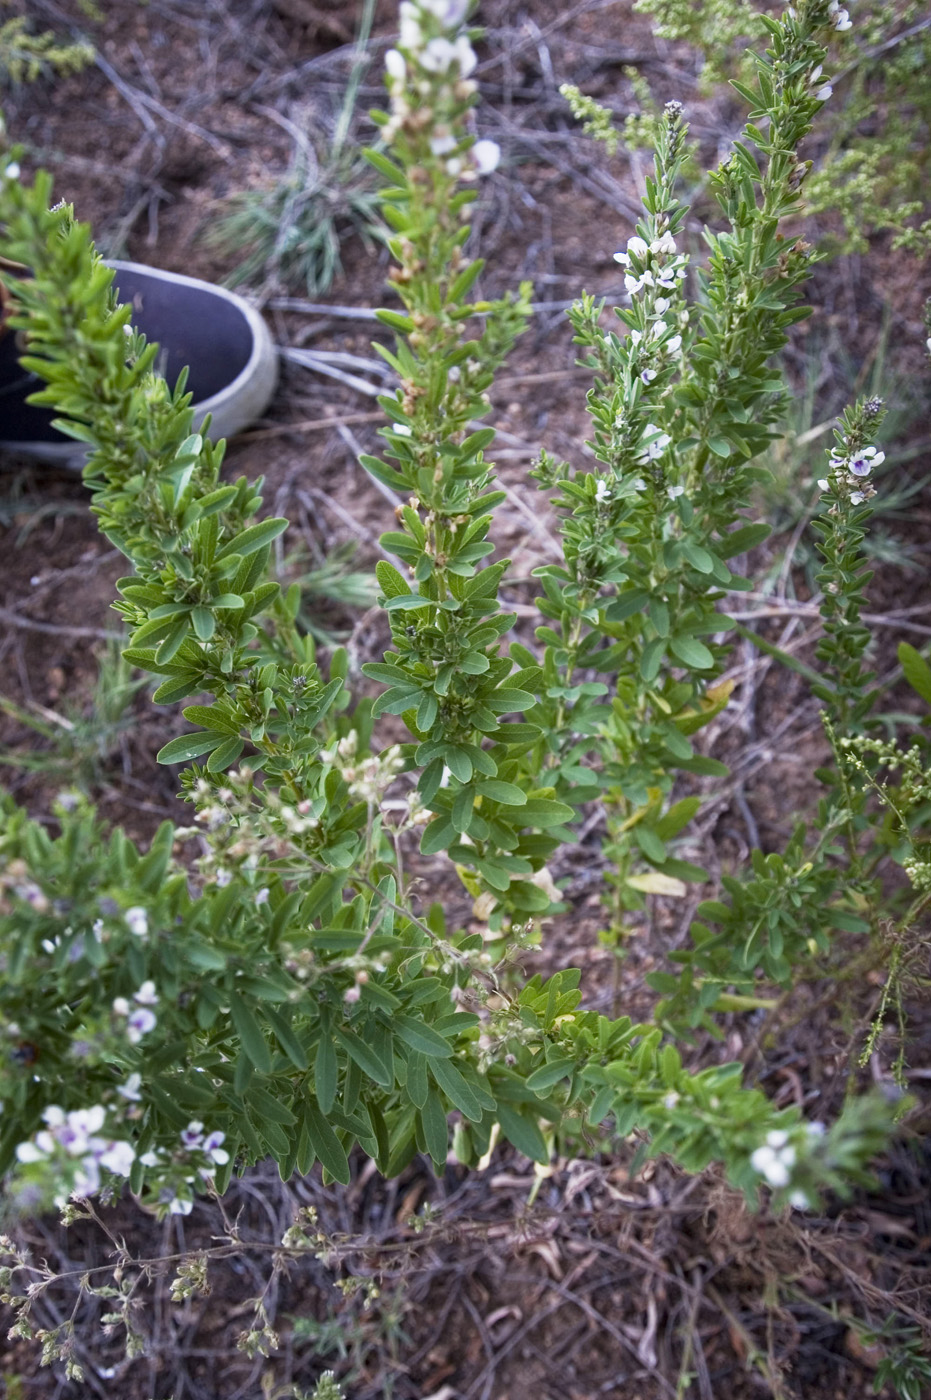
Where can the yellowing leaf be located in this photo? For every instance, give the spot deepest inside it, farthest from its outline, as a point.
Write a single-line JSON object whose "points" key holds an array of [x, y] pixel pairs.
{"points": [[655, 882]]}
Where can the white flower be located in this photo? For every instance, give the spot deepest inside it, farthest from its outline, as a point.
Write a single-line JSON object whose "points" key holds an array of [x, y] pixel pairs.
{"points": [[28, 1152], [395, 66], [130, 1090], [466, 56], [120, 1006], [410, 35], [485, 156], [857, 498], [775, 1159], [211, 1146], [146, 995], [815, 1129], [451, 13], [799, 1200], [862, 463], [657, 445], [815, 74], [193, 1135], [665, 244], [87, 1181], [12, 171], [149, 1159], [638, 246], [636, 337], [648, 375], [824, 93], [118, 1158], [602, 493], [769, 1164], [661, 305], [636, 284], [74, 1135], [674, 492], [439, 145], [672, 344], [438, 55], [137, 921], [97, 930], [823, 484], [842, 20], [53, 1116], [139, 1024], [671, 1100], [178, 1205]]}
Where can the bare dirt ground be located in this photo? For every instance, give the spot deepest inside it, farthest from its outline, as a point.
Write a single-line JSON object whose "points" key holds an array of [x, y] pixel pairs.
{"points": [[621, 1282]]}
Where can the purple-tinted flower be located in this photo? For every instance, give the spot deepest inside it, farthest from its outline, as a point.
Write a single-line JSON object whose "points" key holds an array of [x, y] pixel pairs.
{"points": [[139, 1024], [118, 1158], [193, 1135], [862, 463], [212, 1148]]}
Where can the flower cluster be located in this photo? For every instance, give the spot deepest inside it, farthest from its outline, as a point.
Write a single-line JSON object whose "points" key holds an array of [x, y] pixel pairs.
{"points": [[139, 1019], [432, 45], [839, 17], [198, 1154], [777, 1158], [73, 1143], [849, 470], [655, 271]]}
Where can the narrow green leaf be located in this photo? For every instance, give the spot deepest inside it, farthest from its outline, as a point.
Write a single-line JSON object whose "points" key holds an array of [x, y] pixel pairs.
{"points": [[421, 1037], [326, 1145], [250, 1034]]}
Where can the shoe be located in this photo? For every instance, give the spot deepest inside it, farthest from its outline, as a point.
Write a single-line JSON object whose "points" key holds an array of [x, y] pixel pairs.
{"points": [[224, 342]]}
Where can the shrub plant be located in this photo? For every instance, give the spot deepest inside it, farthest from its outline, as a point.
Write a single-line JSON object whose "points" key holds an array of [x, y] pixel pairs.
{"points": [[871, 171], [267, 980]]}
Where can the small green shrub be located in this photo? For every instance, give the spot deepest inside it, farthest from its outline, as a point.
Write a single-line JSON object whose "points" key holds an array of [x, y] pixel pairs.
{"points": [[288, 991]]}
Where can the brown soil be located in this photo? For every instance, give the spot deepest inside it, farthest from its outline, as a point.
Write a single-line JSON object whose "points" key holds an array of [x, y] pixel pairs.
{"points": [[617, 1281]]}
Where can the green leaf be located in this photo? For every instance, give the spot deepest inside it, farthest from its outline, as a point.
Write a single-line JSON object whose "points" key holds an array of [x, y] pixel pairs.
{"points": [[326, 1145], [212, 717], [365, 1057], [204, 623], [222, 757], [325, 1070], [508, 794], [188, 746], [692, 653], [652, 659], [256, 537], [457, 1089], [254, 1044], [916, 669], [421, 1037], [523, 1133], [549, 1074], [435, 1127], [543, 812], [286, 1038], [739, 541]]}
